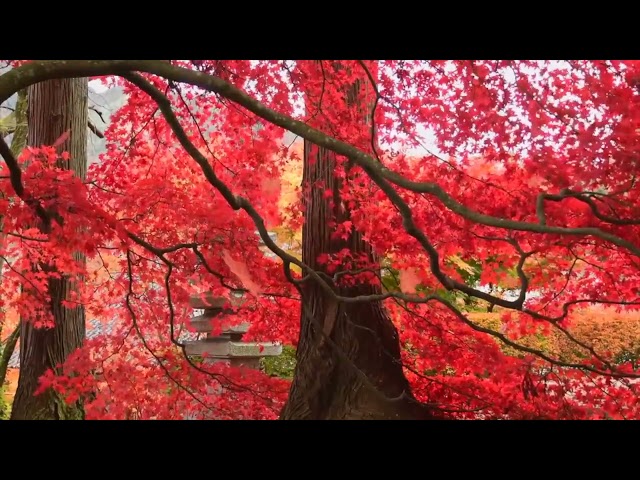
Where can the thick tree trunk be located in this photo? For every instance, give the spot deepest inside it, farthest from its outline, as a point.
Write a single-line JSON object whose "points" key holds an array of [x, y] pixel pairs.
{"points": [[327, 384], [55, 107], [358, 374]]}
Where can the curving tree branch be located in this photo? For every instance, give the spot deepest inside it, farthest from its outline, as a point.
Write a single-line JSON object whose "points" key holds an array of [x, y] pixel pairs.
{"points": [[386, 180], [38, 71]]}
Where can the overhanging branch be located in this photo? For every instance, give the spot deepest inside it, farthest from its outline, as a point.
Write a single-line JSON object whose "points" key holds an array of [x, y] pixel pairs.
{"points": [[38, 71], [237, 203]]}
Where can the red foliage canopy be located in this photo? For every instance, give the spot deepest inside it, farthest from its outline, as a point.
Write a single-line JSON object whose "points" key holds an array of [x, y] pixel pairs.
{"points": [[509, 182]]}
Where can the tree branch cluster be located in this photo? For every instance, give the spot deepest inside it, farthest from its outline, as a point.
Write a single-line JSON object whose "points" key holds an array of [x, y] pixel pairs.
{"points": [[386, 179]]}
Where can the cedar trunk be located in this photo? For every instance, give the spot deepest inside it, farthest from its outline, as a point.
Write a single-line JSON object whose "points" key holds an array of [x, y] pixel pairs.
{"points": [[329, 380], [326, 384], [55, 107]]}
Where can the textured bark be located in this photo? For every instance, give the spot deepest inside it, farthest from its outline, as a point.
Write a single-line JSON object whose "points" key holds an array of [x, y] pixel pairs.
{"points": [[358, 374], [327, 385], [55, 106]]}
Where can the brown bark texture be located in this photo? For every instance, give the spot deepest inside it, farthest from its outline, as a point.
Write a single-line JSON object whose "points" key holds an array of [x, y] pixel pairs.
{"points": [[55, 107], [348, 356]]}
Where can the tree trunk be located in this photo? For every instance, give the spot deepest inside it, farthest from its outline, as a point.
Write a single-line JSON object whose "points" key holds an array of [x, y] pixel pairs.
{"points": [[55, 107], [358, 375]]}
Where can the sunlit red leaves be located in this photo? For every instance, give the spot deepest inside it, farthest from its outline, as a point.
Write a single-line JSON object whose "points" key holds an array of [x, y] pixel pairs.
{"points": [[161, 196], [241, 271], [126, 383], [409, 280], [505, 131]]}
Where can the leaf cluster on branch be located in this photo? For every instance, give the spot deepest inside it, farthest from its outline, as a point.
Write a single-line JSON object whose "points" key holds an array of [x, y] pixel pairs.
{"points": [[525, 207]]}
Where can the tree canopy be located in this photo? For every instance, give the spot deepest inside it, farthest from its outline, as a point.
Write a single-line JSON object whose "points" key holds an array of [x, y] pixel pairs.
{"points": [[500, 199]]}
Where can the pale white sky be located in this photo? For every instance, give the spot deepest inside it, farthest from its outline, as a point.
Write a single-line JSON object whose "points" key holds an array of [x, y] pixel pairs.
{"points": [[97, 86]]}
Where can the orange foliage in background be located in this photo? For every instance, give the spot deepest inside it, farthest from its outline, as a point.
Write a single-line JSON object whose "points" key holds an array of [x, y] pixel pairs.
{"points": [[8, 322], [609, 332], [612, 334]]}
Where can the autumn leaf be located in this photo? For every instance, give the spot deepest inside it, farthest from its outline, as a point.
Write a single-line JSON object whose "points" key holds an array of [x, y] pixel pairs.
{"points": [[271, 187], [62, 138], [240, 270], [408, 280], [461, 264]]}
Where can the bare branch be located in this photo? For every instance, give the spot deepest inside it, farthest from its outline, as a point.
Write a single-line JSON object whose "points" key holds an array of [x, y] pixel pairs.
{"points": [[94, 129], [582, 196]]}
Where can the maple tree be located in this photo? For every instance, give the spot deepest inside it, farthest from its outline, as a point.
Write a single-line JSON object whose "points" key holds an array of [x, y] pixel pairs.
{"points": [[525, 207]]}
